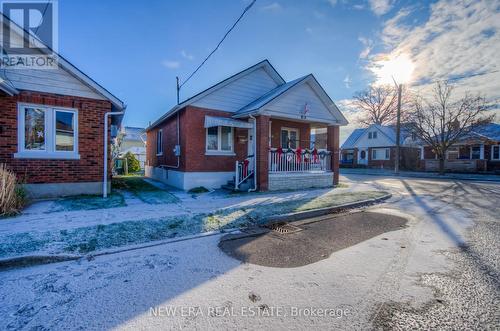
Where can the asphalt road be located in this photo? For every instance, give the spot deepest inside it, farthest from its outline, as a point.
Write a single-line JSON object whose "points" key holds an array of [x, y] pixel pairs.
{"points": [[441, 271], [309, 240]]}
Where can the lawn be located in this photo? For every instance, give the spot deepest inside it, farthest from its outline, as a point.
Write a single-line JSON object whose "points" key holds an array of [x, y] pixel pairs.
{"points": [[93, 238], [142, 190], [88, 202]]}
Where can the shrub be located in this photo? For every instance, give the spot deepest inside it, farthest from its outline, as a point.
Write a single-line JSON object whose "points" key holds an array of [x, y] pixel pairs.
{"points": [[12, 196], [132, 163]]}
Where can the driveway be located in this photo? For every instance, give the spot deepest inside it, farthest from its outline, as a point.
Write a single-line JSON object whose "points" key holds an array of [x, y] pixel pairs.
{"points": [[441, 271]]}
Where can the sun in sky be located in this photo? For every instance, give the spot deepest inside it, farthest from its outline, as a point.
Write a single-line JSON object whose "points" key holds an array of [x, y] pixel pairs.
{"points": [[393, 68]]}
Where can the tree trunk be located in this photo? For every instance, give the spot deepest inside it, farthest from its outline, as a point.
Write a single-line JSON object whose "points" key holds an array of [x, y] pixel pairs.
{"points": [[441, 165]]}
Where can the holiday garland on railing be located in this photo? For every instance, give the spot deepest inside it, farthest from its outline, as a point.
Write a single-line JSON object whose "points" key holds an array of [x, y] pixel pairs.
{"points": [[289, 152]]}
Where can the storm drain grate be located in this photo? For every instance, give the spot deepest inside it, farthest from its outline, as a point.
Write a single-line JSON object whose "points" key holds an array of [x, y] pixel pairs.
{"points": [[284, 228]]}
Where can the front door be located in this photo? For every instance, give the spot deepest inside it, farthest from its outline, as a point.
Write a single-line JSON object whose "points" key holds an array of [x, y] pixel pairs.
{"points": [[250, 150], [363, 156]]}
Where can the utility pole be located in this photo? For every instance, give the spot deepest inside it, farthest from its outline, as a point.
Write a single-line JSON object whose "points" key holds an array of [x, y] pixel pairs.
{"points": [[178, 88], [398, 130]]}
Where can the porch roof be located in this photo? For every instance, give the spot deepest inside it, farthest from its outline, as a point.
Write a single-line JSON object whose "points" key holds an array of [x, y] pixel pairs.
{"points": [[211, 121]]}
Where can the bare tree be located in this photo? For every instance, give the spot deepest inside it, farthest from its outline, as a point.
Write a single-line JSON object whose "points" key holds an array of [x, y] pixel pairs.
{"points": [[441, 122], [378, 104]]}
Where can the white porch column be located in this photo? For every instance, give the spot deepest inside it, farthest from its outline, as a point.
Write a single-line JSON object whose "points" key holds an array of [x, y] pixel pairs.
{"points": [[421, 152], [481, 152]]}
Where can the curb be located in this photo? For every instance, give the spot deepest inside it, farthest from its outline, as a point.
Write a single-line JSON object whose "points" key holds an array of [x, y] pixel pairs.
{"points": [[291, 217], [490, 180], [32, 260]]}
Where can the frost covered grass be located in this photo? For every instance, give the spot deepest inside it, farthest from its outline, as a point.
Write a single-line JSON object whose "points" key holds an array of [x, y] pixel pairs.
{"points": [[143, 190], [88, 202], [93, 238]]}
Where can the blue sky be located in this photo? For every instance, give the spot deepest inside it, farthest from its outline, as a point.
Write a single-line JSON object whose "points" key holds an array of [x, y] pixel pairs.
{"points": [[136, 48]]}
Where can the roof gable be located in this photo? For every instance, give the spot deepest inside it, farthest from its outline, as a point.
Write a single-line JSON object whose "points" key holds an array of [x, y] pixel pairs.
{"points": [[66, 79], [290, 100], [208, 97], [239, 91]]}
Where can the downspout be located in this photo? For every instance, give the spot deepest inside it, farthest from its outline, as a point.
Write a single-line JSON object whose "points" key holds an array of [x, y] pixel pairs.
{"points": [[178, 144], [254, 154], [105, 175]]}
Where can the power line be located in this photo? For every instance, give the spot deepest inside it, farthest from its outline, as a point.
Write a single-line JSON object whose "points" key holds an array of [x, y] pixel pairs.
{"points": [[218, 45], [43, 15]]}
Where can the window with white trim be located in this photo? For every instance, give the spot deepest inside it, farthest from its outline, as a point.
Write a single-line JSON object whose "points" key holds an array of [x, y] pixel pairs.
{"points": [[381, 153], [495, 152], [219, 139], [159, 142], [289, 138], [372, 135], [47, 132]]}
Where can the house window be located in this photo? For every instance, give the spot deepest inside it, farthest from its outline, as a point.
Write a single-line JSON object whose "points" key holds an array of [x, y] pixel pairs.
{"points": [[289, 138], [47, 132], [381, 154], [219, 140], [65, 130], [159, 142], [495, 152], [372, 135], [475, 153]]}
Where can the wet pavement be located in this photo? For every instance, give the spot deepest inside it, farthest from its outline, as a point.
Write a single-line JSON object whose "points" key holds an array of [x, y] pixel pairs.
{"points": [[309, 240]]}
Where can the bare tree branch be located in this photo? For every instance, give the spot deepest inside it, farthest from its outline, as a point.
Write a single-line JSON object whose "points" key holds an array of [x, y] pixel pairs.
{"points": [[441, 122]]}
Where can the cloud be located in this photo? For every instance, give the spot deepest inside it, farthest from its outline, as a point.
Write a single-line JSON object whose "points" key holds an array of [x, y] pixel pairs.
{"points": [[275, 6], [458, 39], [347, 81], [171, 64], [381, 7], [368, 46], [186, 55], [333, 2], [309, 30], [352, 114]]}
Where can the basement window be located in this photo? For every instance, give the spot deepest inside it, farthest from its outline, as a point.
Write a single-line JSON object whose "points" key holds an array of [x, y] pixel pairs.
{"points": [[47, 132]]}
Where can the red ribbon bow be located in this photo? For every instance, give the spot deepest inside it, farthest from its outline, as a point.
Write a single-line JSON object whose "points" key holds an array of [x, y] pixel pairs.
{"points": [[315, 155]]}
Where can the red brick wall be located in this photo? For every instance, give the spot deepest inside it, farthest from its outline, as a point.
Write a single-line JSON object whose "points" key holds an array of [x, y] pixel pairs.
{"points": [[304, 132], [262, 142], [89, 168], [193, 141], [332, 141]]}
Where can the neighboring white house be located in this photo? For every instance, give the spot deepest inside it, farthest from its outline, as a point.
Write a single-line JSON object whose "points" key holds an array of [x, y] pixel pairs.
{"points": [[133, 140]]}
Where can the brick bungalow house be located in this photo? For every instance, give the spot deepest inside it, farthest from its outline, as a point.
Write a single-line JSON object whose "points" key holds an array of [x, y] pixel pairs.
{"points": [[375, 147], [249, 131], [52, 127], [479, 151]]}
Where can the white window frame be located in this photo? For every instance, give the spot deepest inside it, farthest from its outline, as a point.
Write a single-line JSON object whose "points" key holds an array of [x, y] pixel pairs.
{"points": [[219, 151], [159, 142], [283, 128], [386, 152], [492, 149], [50, 151]]}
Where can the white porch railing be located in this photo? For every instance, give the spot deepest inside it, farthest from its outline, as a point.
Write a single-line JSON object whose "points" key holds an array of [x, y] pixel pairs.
{"points": [[244, 169], [288, 160]]}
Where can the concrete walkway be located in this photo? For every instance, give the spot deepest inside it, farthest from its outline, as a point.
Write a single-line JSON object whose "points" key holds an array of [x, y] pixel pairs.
{"points": [[420, 174]]}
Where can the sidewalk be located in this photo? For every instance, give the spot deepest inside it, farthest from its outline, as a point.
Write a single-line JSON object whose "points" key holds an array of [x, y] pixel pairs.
{"points": [[419, 174]]}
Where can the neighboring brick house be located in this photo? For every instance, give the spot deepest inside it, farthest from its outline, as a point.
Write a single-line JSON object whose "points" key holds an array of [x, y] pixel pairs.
{"points": [[251, 131], [52, 128], [478, 151], [375, 147]]}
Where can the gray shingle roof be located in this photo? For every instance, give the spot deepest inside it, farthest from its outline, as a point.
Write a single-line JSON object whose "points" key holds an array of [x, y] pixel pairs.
{"points": [[349, 143]]}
